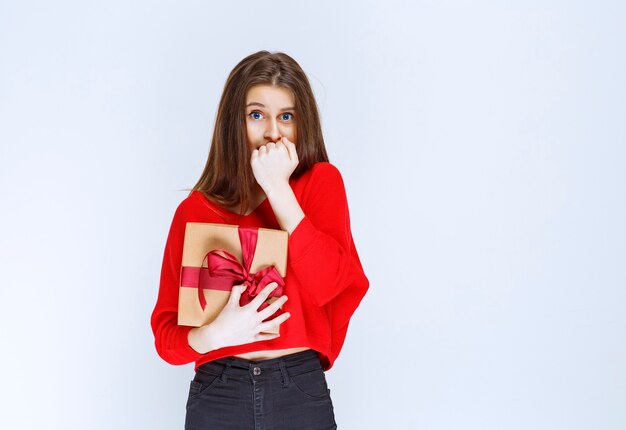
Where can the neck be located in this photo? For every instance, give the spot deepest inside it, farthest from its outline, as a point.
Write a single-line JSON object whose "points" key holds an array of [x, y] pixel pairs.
{"points": [[257, 191]]}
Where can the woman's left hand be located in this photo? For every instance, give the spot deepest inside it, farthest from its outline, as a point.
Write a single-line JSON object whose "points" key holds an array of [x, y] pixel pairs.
{"points": [[273, 163]]}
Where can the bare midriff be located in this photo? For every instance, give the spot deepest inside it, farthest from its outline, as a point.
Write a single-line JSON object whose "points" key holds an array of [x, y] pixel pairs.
{"points": [[267, 354]]}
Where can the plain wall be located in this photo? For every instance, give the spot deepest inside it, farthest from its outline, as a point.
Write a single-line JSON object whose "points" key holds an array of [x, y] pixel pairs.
{"points": [[482, 145]]}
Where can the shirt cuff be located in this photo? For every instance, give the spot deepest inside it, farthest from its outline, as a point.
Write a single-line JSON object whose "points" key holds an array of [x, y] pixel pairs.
{"points": [[300, 239], [186, 351]]}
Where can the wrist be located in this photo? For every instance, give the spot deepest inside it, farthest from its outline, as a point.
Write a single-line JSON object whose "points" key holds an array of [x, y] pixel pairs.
{"points": [[286, 207], [211, 337], [202, 339], [278, 190]]}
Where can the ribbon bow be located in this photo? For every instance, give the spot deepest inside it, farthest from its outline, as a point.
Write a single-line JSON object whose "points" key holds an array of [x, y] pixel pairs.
{"points": [[225, 271]]}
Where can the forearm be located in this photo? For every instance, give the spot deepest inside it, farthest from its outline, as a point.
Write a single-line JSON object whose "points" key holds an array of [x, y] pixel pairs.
{"points": [[203, 339], [286, 207]]}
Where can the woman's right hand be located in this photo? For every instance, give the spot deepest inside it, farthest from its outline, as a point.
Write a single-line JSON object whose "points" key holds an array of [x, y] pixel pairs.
{"points": [[236, 325]]}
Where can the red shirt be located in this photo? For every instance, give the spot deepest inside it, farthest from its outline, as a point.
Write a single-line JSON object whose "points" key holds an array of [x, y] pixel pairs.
{"points": [[324, 278]]}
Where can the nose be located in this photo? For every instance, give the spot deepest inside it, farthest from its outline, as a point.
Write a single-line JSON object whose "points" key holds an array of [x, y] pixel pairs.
{"points": [[272, 132]]}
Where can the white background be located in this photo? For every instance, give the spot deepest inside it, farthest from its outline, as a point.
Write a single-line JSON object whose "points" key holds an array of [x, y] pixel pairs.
{"points": [[483, 149]]}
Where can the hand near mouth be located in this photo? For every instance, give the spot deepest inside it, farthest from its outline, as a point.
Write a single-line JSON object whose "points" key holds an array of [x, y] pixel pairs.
{"points": [[273, 163]]}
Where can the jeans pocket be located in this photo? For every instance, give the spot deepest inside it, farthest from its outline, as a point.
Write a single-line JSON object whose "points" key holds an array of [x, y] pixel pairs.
{"points": [[202, 382], [312, 384]]}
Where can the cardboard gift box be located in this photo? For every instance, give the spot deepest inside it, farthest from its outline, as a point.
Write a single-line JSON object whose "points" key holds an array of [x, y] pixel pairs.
{"points": [[218, 256]]}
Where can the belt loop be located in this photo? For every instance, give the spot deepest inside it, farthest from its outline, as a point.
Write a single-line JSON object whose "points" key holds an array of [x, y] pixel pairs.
{"points": [[284, 373], [224, 376]]}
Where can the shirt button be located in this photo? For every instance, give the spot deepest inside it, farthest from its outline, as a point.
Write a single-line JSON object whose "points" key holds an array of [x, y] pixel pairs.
{"points": [[256, 371]]}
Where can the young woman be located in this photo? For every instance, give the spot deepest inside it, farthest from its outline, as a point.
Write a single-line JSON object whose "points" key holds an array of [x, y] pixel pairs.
{"points": [[267, 167]]}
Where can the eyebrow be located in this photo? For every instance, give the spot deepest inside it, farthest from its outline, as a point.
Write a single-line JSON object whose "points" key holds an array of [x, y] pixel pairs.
{"points": [[262, 105]]}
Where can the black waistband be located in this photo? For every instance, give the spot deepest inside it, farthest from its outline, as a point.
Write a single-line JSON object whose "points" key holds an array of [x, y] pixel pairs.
{"points": [[288, 360], [282, 368]]}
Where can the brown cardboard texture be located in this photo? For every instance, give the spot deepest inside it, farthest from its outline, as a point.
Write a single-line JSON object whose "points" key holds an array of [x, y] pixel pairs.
{"points": [[200, 238]]}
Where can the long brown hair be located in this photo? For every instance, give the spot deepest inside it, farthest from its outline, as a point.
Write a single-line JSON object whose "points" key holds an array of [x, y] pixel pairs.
{"points": [[227, 178]]}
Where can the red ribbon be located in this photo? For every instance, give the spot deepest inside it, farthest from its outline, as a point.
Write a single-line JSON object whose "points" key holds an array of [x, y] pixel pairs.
{"points": [[225, 270]]}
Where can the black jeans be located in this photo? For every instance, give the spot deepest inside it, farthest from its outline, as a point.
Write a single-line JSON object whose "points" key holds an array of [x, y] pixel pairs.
{"points": [[288, 392]]}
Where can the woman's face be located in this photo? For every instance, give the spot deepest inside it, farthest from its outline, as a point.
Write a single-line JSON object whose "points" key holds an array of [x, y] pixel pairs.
{"points": [[270, 115]]}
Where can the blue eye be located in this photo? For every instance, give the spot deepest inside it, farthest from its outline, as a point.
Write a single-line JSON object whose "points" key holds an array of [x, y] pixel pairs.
{"points": [[285, 117]]}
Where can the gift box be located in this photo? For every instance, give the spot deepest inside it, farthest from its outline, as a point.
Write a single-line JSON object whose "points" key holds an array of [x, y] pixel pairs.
{"points": [[218, 256]]}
